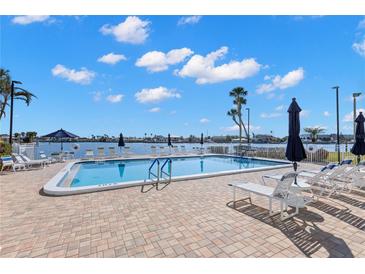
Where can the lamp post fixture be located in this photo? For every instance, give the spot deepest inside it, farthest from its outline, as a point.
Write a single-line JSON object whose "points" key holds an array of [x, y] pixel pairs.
{"points": [[12, 110], [338, 125], [354, 95], [248, 124]]}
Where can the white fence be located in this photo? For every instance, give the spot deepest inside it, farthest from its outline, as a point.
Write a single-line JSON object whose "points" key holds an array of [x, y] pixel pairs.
{"points": [[320, 156], [26, 149]]}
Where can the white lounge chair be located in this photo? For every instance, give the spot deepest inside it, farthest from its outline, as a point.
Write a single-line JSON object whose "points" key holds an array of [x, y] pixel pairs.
{"points": [[153, 151], [7, 162], [326, 181], [358, 181], [22, 159], [101, 152], [89, 154], [162, 151], [44, 157], [31, 163], [112, 153], [282, 193], [56, 157]]}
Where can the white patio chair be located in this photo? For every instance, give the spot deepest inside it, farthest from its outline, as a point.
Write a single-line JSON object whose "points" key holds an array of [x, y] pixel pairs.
{"points": [[182, 149], [282, 193], [7, 162]]}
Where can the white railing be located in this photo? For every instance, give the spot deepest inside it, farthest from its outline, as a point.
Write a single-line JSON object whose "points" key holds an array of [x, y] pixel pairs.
{"points": [[319, 156], [27, 149]]}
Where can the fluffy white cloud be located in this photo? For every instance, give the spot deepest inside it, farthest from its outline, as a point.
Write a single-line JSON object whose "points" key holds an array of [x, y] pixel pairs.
{"points": [[133, 30], [82, 76], [280, 108], [349, 117], [270, 115], [236, 128], [115, 98], [204, 70], [111, 58], [29, 19], [359, 47], [155, 95], [290, 79], [204, 120], [156, 61], [154, 110], [326, 113], [189, 20]]}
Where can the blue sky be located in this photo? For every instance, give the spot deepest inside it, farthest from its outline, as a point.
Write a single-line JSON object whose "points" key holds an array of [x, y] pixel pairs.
{"points": [[172, 74]]}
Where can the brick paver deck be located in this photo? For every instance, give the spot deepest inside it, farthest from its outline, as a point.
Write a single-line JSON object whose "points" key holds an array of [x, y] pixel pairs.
{"points": [[186, 219]]}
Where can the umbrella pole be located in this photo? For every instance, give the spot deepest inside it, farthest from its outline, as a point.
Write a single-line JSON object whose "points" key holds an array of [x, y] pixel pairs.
{"points": [[295, 165]]}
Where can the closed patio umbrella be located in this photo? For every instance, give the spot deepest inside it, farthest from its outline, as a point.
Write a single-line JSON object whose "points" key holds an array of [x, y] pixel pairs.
{"points": [[60, 135], [294, 150], [169, 140], [359, 146], [201, 139], [121, 141]]}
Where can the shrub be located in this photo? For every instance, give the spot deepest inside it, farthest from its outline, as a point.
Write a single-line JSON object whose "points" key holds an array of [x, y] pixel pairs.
{"points": [[5, 149]]}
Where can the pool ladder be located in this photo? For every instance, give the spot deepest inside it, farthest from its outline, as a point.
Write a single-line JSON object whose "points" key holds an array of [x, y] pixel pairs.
{"points": [[160, 175]]}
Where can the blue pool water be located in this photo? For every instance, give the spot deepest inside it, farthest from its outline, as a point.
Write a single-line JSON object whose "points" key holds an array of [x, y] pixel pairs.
{"points": [[116, 171]]}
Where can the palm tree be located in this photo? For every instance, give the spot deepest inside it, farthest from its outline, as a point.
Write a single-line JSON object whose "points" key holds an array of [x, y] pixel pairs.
{"points": [[239, 94], [314, 132], [5, 92]]}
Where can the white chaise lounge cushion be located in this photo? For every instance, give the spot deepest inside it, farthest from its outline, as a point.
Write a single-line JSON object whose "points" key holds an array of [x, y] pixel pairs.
{"points": [[255, 188]]}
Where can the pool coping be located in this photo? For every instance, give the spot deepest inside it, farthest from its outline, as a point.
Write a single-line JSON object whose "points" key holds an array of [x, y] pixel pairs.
{"points": [[53, 188]]}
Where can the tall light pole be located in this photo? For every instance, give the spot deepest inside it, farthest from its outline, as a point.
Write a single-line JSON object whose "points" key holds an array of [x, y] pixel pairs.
{"points": [[338, 125], [354, 95], [248, 124], [12, 110]]}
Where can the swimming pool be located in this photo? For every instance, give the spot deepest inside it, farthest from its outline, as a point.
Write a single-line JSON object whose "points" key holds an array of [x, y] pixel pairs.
{"points": [[87, 176]]}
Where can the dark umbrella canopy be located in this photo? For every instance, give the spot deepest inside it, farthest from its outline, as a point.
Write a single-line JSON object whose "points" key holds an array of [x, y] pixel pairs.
{"points": [[121, 141], [359, 146], [169, 140], [294, 150], [202, 139], [60, 135]]}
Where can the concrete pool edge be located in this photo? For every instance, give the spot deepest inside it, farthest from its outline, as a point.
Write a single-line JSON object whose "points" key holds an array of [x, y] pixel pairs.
{"points": [[53, 188]]}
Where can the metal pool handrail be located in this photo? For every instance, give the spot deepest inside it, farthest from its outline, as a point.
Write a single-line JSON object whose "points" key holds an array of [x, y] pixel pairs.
{"points": [[158, 169], [168, 160]]}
